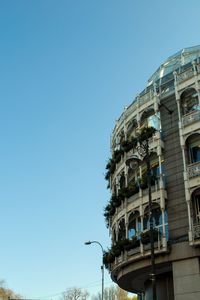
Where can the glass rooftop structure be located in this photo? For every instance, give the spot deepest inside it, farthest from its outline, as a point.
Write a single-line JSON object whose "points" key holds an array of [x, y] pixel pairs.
{"points": [[174, 62]]}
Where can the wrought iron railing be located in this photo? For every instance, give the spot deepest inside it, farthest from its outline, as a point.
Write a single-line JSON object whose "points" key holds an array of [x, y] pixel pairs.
{"points": [[185, 75], [196, 231], [145, 98], [191, 118], [194, 170]]}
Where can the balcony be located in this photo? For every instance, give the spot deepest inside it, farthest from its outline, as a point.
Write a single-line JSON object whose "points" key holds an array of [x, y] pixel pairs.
{"points": [[196, 234], [145, 98], [196, 231], [139, 253], [191, 118], [189, 73], [194, 170]]}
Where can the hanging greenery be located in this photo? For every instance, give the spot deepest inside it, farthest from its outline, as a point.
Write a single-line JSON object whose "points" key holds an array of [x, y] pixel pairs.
{"points": [[146, 133], [129, 144]]}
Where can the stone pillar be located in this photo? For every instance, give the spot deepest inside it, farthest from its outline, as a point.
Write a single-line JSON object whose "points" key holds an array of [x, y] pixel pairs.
{"points": [[186, 275]]}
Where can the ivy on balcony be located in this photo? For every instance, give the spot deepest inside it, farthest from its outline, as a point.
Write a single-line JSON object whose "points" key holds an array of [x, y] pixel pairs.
{"points": [[126, 146], [118, 248], [129, 144], [116, 200], [109, 211], [146, 133]]}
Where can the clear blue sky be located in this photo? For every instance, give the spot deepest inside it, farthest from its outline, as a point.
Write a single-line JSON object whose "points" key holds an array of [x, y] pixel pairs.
{"points": [[67, 69]]}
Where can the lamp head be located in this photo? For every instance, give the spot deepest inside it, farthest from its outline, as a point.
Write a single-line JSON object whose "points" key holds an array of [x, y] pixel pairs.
{"points": [[87, 243], [133, 161]]}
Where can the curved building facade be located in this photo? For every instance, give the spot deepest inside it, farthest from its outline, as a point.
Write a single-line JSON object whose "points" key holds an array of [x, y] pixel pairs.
{"points": [[169, 107]]}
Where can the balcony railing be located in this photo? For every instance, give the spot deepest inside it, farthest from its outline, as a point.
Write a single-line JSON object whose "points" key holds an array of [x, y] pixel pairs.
{"points": [[191, 118], [194, 170], [185, 75], [196, 231], [145, 98], [138, 253]]}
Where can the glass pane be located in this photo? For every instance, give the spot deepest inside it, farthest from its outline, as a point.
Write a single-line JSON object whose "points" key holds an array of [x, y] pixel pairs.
{"points": [[195, 154], [131, 233]]}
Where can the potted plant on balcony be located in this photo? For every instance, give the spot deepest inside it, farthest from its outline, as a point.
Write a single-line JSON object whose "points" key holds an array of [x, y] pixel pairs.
{"points": [[111, 166], [109, 211], [108, 258], [132, 243], [117, 249], [133, 188], [146, 133], [129, 144], [135, 242], [145, 236], [125, 244], [116, 200], [117, 156]]}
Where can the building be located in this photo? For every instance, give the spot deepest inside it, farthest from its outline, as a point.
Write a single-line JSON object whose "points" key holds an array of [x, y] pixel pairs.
{"points": [[170, 103]]}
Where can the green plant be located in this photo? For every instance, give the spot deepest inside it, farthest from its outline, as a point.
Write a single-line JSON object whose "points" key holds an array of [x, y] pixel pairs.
{"points": [[107, 175], [109, 211], [146, 133], [145, 236], [129, 144], [117, 249], [133, 188], [116, 200], [110, 166], [108, 258], [135, 241], [117, 156]]}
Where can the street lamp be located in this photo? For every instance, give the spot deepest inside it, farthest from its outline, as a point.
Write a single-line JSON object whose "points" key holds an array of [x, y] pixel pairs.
{"points": [[102, 266], [143, 151]]}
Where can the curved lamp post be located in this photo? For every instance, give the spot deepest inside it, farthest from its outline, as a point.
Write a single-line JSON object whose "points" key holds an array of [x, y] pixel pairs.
{"points": [[102, 266]]}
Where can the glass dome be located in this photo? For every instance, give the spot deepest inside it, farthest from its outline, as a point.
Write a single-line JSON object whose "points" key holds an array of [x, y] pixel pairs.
{"points": [[175, 61]]}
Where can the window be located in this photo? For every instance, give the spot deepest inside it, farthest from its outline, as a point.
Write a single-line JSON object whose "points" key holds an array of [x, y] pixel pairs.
{"points": [[157, 219], [193, 146], [118, 140], [154, 121], [196, 206], [134, 224], [146, 116], [122, 181], [121, 230], [151, 119], [131, 127], [189, 101]]}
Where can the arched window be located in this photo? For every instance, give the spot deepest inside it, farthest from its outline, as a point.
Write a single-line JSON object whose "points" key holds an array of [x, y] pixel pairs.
{"points": [[134, 224], [118, 140], [132, 125], [196, 206], [122, 181], [150, 119], [193, 147], [121, 230], [155, 171], [189, 101], [157, 219], [114, 236], [131, 174]]}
